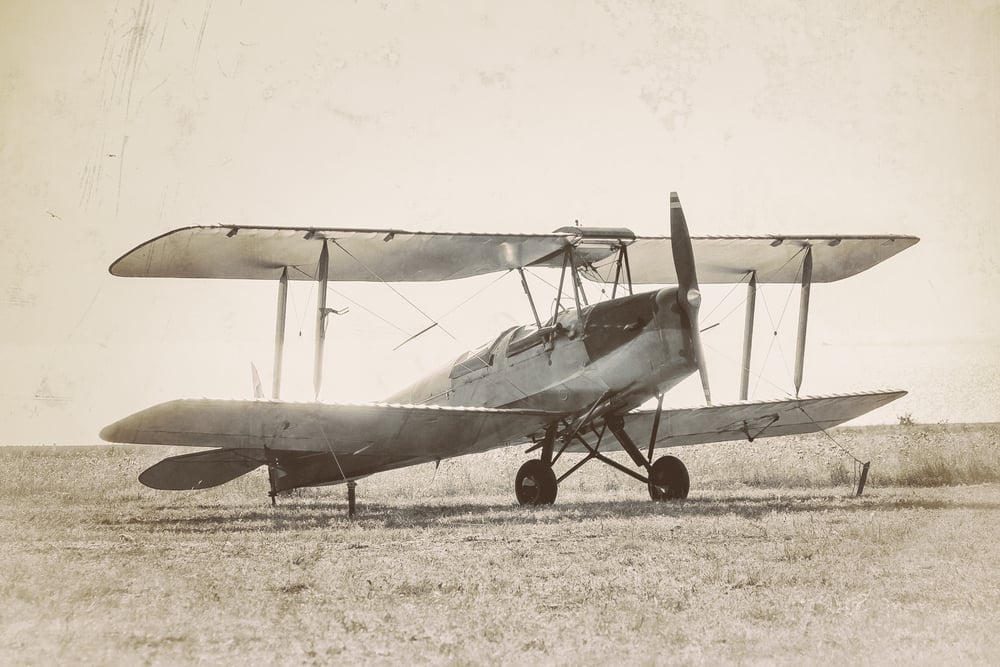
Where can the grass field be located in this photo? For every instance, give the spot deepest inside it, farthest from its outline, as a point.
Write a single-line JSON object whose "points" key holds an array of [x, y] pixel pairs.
{"points": [[769, 561]]}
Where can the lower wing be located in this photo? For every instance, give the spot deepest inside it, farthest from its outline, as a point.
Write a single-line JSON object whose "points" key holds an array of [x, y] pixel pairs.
{"points": [[311, 443], [749, 421]]}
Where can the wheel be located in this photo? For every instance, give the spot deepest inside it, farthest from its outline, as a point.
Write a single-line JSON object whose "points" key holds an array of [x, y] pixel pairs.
{"points": [[668, 479], [535, 483]]}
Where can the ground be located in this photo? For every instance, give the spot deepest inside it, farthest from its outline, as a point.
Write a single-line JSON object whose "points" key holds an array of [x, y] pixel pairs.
{"points": [[443, 567]]}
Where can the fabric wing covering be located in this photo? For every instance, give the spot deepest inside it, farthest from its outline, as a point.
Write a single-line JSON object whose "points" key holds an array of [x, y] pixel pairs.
{"points": [[314, 443], [262, 253], [749, 421]]}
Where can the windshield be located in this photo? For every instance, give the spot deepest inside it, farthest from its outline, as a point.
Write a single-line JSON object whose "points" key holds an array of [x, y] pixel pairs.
{"points": [[477, 359]]}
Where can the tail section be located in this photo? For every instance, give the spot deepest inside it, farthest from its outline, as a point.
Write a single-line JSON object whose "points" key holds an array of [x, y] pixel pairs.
{"points": [[258, 389], [202, 470]]}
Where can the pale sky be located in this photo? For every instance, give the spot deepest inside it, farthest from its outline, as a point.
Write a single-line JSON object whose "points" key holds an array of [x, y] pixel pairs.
{"points": [[122, 120]]}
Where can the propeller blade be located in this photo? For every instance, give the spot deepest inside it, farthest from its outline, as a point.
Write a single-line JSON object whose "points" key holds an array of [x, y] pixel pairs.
{"points": [[689, 294], [680, 246]]}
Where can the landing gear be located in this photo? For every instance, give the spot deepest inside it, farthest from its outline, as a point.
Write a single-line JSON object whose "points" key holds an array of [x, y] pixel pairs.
{"points": [[665, 479], [535, 483], [668, 479]]}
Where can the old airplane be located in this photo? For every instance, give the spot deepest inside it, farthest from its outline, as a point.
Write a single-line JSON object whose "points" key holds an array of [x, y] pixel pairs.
{"points": [[559, 384]]}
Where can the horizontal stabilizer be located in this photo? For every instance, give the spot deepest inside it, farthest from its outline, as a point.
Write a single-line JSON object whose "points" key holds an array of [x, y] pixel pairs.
{"points": [[201, 470], [752, 420]]}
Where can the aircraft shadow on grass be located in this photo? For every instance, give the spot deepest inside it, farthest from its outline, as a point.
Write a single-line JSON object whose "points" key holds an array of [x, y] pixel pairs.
{"points": [[295, 516]]}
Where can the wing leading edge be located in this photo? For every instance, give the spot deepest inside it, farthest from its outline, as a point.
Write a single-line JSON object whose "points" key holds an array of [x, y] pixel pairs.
{"points": [[311, 443], [367, 255], [775, 259], [752, 420], [364, 255]]}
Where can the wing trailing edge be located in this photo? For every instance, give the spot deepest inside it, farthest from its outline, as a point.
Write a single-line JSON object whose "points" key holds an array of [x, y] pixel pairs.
{"points": [[311, 444], [344, 429], [376, 255], [752, 420]]}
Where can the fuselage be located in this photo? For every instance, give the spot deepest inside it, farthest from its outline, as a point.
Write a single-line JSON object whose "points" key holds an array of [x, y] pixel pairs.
{"points": [[628, 349]]}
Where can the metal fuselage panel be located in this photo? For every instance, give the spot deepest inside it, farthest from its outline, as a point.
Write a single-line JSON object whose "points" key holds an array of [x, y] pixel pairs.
{"points": [[631, 348]]}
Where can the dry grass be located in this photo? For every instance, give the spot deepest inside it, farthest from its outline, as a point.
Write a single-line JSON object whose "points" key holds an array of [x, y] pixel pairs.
{"points": [[444, 567]]}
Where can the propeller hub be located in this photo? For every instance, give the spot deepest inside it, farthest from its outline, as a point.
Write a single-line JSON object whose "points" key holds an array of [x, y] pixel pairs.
{"points": [[694, 298]]}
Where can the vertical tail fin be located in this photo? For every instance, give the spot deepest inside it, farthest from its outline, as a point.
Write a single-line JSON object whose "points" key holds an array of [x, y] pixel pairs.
{"points": [[258, 389]]}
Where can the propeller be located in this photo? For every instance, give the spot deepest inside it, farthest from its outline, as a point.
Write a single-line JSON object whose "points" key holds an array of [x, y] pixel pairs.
{"points": [[688, 293]]}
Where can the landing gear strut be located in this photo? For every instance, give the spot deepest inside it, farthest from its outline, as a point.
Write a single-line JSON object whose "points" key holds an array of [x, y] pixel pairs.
{"points": [[535, 483], [666, 478]]}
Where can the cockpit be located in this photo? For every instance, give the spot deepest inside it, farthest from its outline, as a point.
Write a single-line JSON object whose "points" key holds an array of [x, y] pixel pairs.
{"points": [[479, 358]]}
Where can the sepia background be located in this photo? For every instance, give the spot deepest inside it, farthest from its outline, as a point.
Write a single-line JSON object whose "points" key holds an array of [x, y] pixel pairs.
{"points": [[121, 120]]}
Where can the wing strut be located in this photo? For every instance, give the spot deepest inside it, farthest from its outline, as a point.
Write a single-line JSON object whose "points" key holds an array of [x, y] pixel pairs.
{"points": [[800, 345], [527, 292], [622, 261], [576, 281], [748, 335], [279, 333], [322, 275]]}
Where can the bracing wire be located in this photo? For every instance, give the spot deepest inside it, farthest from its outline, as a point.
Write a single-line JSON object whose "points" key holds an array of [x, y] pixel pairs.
{"points": [[777, 340], [774, 335], [764, 279], [436, 323], [368, 310], [346, 298], [554, 288], [744, 279], [602, 280], [767, 355], [828, 435], [858, 463], [770, 318], [758, 375], [300, 317], [396, 291], [329, 445], [477, 293]]}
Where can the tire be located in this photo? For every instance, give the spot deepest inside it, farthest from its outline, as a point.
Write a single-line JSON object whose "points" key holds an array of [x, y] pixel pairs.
{"points": [[668, 479], [535, 484]]}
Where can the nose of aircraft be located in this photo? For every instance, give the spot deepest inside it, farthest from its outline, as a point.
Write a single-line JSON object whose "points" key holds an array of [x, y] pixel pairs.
{"points": [[670, 320], [667, 311]]}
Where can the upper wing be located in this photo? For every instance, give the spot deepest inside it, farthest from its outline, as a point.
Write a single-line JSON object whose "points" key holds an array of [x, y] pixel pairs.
{"points": [[776, 259], [261, 253], [312, 443], [749, 421]]}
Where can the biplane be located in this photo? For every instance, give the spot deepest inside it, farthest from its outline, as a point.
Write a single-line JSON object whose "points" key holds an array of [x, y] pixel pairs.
{"points": [[568, 383]]}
